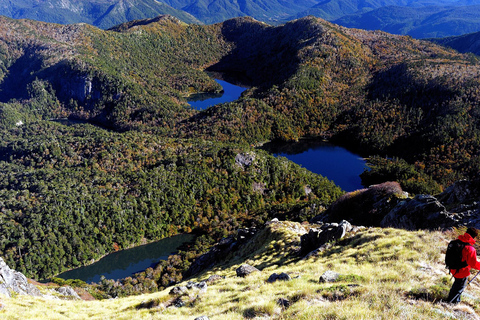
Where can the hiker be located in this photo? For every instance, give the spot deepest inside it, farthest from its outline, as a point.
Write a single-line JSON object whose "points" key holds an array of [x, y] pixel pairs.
{"points": [[469, 255]]}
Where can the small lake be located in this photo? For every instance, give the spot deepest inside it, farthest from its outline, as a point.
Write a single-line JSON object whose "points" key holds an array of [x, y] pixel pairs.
{"points": [[124, 263], [202, 101], [333, 162]]}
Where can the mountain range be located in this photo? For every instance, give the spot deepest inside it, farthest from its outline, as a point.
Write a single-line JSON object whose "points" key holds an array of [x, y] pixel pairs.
{"points": [[101, 13], [420, 19], [418, 22]]}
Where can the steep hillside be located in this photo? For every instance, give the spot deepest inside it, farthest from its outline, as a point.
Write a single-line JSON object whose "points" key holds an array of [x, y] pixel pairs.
{"points": [[464, 43], [374, 274], [424, 22], [101, 13]]}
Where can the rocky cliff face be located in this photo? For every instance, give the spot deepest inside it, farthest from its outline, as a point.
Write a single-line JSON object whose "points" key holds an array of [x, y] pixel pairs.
{"points": [[12, 281], [385, 206]]}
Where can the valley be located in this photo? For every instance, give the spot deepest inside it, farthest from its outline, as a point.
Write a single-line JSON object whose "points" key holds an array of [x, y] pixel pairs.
{"points": [[138, 164]]}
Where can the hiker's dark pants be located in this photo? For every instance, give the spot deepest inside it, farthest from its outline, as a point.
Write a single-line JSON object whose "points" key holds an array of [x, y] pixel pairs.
{"points": [[457, 289]]}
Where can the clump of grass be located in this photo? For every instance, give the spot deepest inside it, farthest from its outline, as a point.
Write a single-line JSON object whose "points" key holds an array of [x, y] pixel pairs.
{"points": [[341, 292], [260, 310], [350, 278], [152, 303]]}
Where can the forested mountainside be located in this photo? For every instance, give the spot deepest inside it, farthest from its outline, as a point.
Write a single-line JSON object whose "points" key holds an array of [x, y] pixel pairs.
{"points": [[464, 43], [100, 13], [418, 22], [163, 168]]}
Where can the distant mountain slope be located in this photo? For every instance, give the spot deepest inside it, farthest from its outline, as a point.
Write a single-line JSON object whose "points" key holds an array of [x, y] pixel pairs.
{"points": [[421, 22], [420, 19], [464, 43], [335, 9], [211, 11], [100, 13]]}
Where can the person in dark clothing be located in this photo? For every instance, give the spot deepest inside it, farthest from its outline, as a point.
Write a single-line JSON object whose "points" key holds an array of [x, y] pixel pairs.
{"points": [[469, 254]]}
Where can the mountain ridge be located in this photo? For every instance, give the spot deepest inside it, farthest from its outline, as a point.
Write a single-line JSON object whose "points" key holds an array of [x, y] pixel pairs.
{"points": [[423, 22], [420, 19], [101, 13]]}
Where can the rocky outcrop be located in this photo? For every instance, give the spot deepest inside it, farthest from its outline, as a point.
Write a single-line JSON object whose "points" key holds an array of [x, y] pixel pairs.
{"points": [[184, 290], [365, 207], [282, 277], [68, 292], [421, 212], [386, 205], [326, 233], [12, 281], [244, 160], [245, 269], [220, 250], [461, 192]]}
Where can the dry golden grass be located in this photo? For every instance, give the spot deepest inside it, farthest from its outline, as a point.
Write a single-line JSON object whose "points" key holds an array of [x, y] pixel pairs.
{"points": [[384, 274]]}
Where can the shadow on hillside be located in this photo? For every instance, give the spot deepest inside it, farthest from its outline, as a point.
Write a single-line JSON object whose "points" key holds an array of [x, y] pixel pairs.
{"points": [[19, 74], [265, 55]]}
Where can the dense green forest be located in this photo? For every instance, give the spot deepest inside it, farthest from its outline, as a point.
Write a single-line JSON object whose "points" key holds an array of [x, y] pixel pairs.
{"points": [[135, 163], [72, 193]]}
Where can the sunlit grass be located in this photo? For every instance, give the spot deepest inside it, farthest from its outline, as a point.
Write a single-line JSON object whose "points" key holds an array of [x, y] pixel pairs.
{"points": [[385, 274]]}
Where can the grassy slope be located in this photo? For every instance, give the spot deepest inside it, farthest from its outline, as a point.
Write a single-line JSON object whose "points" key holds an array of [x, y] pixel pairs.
{"points": [[383, 265]]}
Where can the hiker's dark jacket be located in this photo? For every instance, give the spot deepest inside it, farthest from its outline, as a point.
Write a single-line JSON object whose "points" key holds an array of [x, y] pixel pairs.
{"points": [[469, 254]]}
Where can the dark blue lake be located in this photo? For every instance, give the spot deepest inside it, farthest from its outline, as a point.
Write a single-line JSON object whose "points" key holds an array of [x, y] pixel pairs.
{"points": [[333, 162], [122, 264], [202, 101]]}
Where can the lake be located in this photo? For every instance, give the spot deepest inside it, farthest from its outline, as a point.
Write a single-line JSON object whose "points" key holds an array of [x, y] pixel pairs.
{"points": [[202, 101], [124, 263], [333, 162]]}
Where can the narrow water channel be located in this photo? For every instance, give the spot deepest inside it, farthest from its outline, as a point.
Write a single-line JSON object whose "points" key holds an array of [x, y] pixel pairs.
{"points": [[202, 101]]}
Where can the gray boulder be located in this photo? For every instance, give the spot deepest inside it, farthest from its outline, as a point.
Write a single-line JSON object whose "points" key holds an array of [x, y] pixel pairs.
{"points": [[68, 292], [214, 278], [202, 286], [13, 281], [421, 212], [315, 238], [245, 269], [329, 276], [282, 276], [202, 318], [179, 290]]}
